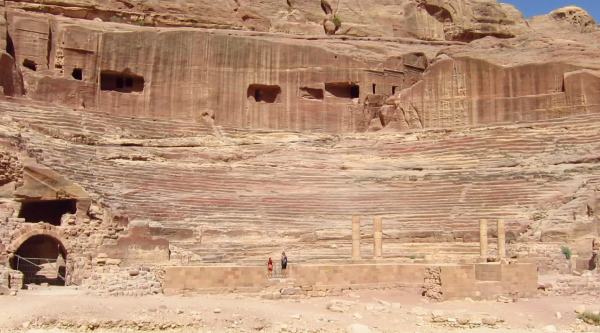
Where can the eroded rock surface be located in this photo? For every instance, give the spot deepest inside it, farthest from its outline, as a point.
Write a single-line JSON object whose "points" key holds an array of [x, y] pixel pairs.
{"points": [[463, 20]]}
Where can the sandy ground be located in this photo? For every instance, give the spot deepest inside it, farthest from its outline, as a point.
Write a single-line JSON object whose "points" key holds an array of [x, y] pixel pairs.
{"points": [[66, 310]]}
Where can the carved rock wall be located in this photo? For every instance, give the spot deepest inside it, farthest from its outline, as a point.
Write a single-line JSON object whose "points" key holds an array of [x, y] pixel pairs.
{"points": [[285, 84], [199, 76], [465, 91]]}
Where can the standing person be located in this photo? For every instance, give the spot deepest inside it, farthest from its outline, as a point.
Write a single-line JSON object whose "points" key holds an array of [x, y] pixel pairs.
{"points": [[270, 268], [284, 263], [596, 253]]}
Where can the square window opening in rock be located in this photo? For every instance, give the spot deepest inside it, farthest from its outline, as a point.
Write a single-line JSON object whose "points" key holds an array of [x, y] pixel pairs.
{"points": [[49, 211], [264, 93], [311, 93], [77, 74], [123, 82], [343, 90]]}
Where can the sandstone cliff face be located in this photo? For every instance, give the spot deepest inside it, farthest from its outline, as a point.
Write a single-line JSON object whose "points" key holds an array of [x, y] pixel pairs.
{"points": [[258, 82], [463, 20], [465, 91]]}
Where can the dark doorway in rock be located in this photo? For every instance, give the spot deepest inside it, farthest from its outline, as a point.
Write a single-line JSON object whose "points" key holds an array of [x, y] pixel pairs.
{"points": [[264, 93], [77, 74], [41, 259], [124, 82], [394, 90], [30, 64], [374, 88], [343, 90], [49, 211], [11, 86]]}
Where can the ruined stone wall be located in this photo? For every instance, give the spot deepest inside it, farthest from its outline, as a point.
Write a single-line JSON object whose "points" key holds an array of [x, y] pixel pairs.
{"points": [[488, 280], [110, 278], [80, 236], [84, 241]]}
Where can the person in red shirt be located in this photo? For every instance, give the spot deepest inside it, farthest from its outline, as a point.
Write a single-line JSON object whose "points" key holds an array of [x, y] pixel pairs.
{"points": [[270, 268]]}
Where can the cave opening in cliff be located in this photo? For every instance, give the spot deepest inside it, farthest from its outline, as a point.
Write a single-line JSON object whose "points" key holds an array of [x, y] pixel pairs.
{"points": [[77, 74], [311, 93], [30, 64], [394, 89], [374, 88], [49, 211], [41, 259], [343, 90], [264, 93], [124, 82], [439, 13]]}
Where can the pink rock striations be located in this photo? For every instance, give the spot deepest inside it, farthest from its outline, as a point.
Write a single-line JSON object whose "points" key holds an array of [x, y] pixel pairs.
{"points": [[178, 144]]}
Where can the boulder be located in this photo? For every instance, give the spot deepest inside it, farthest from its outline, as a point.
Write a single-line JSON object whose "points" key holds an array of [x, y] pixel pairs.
{"points": [[489, 321], [574, 15]]}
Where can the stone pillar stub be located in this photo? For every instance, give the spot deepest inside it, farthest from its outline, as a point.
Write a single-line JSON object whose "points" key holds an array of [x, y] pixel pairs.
{"points": [[377, 237], [483, 241], [501, 239], [356, 237]]}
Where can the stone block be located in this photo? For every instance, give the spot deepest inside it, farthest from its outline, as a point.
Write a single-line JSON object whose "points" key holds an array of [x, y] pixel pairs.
{"points": [[114, 262], [288, 291]]}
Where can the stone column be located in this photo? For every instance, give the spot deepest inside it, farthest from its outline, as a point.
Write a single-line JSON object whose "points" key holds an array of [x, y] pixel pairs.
{"points": [[377, 237], [483, 242], [501, 239], [355, 237]]}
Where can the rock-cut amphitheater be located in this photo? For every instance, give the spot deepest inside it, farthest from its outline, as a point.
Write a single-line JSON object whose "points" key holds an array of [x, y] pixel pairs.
{"points": [[172, 146]]}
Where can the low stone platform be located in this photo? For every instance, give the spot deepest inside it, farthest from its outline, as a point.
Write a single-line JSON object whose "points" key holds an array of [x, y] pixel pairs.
{"points": [[438, 281]]}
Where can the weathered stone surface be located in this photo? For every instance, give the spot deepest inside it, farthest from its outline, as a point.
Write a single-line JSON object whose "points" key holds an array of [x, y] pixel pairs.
{"points": [[430, 19], [576, 16], [548, 90]]}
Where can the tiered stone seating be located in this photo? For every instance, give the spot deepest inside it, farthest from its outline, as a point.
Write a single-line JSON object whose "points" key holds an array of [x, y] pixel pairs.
{"points": [[253, 200]]}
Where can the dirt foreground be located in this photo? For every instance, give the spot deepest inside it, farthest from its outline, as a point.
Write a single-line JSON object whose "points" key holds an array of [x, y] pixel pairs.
{"points": [[69, 310]]}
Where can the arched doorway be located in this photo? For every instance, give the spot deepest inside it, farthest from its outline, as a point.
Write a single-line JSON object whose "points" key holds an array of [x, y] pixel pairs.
{"points": [[41, 259]]}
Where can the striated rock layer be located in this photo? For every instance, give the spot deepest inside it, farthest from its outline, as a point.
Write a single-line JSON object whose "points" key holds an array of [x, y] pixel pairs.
{"points": [[246, 194]]}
